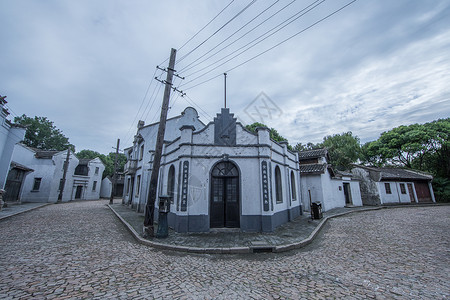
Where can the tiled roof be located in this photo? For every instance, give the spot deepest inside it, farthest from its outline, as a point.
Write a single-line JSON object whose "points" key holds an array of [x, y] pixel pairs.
{"points": [[20, 167], [398, 173], [45, 153], [391, 173], [312, 153], [313, 168]]}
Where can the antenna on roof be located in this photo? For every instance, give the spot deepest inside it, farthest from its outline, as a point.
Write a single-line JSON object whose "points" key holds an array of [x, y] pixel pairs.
{"points": [[225, 76]]}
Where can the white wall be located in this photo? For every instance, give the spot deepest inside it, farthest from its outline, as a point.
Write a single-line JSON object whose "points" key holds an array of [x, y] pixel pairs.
{"points": [[106, 188], [396, 196]]}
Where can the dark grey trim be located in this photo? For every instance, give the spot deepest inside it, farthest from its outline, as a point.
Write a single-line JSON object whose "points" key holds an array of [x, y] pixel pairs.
{"points": [[184, 185], [183, 224], [179, 186], [265, 185]]}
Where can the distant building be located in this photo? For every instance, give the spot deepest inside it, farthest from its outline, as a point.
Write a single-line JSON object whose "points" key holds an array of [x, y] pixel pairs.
{"points": [[320, 183], [44, 169], [393, 185], [106, 188]]}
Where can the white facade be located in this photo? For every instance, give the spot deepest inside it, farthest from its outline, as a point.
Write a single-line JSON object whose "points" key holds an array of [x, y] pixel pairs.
{"points": [[221, 175], [10, 135], [393, 185], [138, 166], [106, 188], [319, 183], [43, 183], [87, 186]]}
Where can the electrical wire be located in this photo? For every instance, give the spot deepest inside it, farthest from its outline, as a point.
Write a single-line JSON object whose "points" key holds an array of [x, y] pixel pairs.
{"points": [[223, 26], [140, 107], [278, 44], [198, 32], [255, 41], [259, 39], [190, 65]]}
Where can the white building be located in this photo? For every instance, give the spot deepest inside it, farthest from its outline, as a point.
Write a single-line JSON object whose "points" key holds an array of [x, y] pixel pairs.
{"points": [[222, 176], [45, 172], [319, 183], [137, 168], [393, 185]]}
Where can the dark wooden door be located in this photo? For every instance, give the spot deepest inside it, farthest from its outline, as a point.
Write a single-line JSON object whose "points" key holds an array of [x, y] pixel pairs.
{"points": [[224, 203], [13, 185], [422, 191], [78, 192]]}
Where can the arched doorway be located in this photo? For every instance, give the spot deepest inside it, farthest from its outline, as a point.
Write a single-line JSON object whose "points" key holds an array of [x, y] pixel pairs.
{"points": [[224, 201]]}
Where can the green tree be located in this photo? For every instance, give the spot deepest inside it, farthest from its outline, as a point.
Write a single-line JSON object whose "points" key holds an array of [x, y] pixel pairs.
{"points": [[308, 146], [344, 149], [425, 147], [42, 134], [274, 135], [107, 160]]}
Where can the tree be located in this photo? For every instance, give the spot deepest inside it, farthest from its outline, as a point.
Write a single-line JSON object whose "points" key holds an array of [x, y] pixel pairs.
{"points": [[107, 160], [42, 134], [309, 146], [425, 147], [274, 135], [344, 149]]}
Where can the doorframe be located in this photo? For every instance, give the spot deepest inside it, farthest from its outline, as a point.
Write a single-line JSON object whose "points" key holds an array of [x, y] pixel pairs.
{"points": [[349, 193], [211, 189]]}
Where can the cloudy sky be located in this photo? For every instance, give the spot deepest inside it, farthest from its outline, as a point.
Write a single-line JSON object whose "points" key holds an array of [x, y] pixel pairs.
{"points": [[306, 68]]}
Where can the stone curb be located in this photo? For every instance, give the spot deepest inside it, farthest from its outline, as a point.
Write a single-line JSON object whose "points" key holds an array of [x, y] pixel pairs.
{"points": [[24, 211], [241, 250]]}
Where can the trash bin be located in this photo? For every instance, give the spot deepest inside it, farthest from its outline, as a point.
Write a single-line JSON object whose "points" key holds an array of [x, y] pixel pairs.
{"points": [[316, 210], [164, 209]]}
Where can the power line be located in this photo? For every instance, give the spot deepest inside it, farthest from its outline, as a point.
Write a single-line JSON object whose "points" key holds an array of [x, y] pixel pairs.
{"points": [[257, 40], [202, 111], [205, 25], [157, 86], [267, 50], [142, 103], [190, 65], [156, 96], [223, 26]]}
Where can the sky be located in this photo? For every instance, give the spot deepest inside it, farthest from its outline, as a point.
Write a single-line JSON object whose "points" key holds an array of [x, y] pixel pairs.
{"points": [[306, 68]]}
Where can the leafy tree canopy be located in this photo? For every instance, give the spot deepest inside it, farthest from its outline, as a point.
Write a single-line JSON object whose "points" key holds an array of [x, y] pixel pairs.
{"points": [[308, 146], [344, 149], [107, 160], [274, 135], [42, 134]]}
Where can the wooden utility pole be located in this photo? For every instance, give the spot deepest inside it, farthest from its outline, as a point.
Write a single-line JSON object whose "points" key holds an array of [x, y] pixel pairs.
{"points": [[63, 180], [150, 207], [113, 187]]}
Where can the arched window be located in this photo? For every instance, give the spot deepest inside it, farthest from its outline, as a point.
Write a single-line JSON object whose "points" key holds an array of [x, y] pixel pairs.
{"points": [[171, 183], [293, 190], [278, 186]]}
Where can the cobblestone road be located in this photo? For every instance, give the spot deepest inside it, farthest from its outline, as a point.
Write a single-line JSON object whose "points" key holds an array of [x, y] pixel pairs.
{"points": [[80, 250]]}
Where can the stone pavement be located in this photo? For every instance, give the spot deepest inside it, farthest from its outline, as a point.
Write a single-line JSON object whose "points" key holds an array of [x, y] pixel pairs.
{"points": [[18, 208], [295, 234], [80, 250]]}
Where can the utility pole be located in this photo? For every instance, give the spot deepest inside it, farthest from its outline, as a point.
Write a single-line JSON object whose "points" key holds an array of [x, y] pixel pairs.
{"points": [[113, 187], [63, 181], [150, 207]]}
